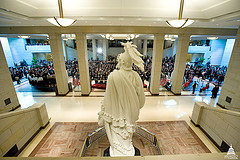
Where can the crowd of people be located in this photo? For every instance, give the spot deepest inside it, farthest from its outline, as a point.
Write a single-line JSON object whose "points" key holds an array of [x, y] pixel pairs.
{"points": [[99, 70], [42, 73], [18, 73], [212, 73], [167, 65]]}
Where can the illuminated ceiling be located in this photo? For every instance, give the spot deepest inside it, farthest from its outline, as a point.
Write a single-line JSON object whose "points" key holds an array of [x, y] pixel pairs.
{"points": [[206, 13]]}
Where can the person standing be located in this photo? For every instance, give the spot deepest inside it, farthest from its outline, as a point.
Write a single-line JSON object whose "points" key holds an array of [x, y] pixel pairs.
{"points": [[194, 86], [215, 91]]}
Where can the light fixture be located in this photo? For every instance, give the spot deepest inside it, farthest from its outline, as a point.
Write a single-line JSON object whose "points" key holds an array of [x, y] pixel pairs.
{"points": [[120, 36], [66, 37], [132, 36], [180, 23], [212, 38], [61, 22], [99, 50], [24, 37], [170, 37], [107, 36]]}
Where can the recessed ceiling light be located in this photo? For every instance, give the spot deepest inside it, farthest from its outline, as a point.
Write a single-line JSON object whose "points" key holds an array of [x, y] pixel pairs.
{"points": [[99, 50], [24, 37], [212, 38]]}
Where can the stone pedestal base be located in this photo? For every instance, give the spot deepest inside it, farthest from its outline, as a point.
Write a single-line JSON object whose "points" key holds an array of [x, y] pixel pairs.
{"points": [[106, 152]]}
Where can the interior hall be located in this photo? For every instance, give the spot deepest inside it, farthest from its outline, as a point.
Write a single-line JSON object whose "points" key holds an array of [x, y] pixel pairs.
{"points": [[57, 63]]}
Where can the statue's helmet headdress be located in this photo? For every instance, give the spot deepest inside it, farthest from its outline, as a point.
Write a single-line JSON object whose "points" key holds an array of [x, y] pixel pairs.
{"points": [[131, 55]]}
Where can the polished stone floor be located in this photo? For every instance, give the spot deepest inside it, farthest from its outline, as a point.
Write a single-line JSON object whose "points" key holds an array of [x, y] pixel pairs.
{"points": [[74, 108]]}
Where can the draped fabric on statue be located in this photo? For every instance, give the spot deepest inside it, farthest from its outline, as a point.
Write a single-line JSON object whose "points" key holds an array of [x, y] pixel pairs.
{"points": [[120, 109]]}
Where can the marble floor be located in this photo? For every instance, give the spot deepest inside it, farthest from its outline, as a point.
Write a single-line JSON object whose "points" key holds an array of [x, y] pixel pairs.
{"points": [[74, 108], [65, 139]]}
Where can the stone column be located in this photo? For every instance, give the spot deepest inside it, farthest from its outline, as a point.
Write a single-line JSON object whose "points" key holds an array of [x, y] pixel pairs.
{"points": [[180, 63], [174, 48], [105, 49], [8, 96], [65, 48], [145, 47], [94, 49], [139, 45], [81, 42], [59, 63], [230, 93], [134, 41], [156, 63]]}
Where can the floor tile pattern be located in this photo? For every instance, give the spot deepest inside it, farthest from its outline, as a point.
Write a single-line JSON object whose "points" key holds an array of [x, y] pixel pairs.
{"points": [[65, 139], [145, 147], [176, 137]]}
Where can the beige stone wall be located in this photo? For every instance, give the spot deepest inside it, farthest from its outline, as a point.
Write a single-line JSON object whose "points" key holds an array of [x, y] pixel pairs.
{"points": [[231, 82], [220, 124], [18, 127], [7, 89]]}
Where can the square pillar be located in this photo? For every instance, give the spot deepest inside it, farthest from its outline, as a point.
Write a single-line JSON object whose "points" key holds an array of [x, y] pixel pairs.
{"points": [[105, 49], [230, 93], [145, 47], [65, 48], [8, 96], [81, 42], [174, 47], [180, 63], [59, 64], [94, 49], [156, 63]]}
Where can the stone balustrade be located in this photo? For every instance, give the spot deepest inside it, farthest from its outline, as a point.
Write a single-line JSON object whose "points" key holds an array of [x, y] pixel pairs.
{"points": [[17, 128], [221, 125]]}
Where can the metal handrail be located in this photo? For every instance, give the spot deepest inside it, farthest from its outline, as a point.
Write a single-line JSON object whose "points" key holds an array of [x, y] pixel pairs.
{"points": [[141, 131]]}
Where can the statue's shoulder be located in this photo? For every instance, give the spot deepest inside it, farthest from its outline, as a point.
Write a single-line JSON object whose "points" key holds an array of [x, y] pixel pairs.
{"points": [[135, 73], [114, 73]]}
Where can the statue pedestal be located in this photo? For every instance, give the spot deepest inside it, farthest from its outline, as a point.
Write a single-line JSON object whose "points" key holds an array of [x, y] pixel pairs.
{"points": [[106, 152], [97, 140]]}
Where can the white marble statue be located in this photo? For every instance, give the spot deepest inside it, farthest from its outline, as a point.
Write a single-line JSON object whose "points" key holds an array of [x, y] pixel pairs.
{"points": [[123, 99]]}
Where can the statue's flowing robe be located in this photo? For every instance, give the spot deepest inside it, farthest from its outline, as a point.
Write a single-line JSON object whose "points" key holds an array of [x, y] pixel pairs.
{"points": [[120, 109]]}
